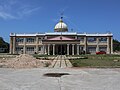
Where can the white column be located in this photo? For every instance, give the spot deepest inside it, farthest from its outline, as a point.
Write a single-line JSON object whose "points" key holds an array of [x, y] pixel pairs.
{"points": [[48, 49], [53, 49], [36, 44], [77, 49], [73, 49], [67, 49], [97, 46], [14, 46], [108, 45], [24, 47], [111, 45]]}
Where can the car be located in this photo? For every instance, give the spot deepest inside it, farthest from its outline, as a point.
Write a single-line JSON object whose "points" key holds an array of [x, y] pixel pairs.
{"points": [[101, 52]]}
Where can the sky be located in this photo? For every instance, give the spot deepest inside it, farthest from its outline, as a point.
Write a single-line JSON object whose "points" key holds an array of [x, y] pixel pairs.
{"points": [[33, 16]]}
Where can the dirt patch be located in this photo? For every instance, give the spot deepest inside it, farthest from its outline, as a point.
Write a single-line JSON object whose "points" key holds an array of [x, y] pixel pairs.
{"points": [[24, 61]]}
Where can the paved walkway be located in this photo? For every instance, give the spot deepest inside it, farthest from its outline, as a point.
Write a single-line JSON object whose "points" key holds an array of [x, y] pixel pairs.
{"points": [[79, 79], [61, 61]]}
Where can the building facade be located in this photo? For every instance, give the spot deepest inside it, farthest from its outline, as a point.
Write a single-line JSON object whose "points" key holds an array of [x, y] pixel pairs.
{"points": [[60, 42]]}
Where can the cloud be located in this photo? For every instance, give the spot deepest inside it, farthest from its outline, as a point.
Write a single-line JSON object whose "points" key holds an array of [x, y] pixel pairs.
{"points": [[27, 11], [16, 9], [6, 16]]}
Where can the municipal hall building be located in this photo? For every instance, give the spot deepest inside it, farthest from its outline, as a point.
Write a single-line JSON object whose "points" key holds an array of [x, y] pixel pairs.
{"points": [[60, 42]]}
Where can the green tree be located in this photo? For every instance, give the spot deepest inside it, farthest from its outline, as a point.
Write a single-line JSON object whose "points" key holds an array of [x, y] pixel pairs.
{"points": [[4, 45], [116, 45]]}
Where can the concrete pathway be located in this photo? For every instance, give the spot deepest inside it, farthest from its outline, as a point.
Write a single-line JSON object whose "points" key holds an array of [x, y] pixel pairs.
{"points": [[61, 61], [79, 79]]}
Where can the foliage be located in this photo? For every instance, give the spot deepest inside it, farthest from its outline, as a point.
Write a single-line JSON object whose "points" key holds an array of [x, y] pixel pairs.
{"points": [[4, 44], [116, 45]]}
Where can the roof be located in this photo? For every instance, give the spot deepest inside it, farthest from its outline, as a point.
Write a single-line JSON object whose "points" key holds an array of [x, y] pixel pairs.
{"points": [[61, 38], [62, 33]]}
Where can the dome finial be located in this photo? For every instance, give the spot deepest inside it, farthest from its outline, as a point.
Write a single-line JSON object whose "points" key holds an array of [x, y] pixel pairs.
{"points": [[61, 17]]}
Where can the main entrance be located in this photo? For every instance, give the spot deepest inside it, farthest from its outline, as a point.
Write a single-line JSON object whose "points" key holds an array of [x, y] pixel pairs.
{"points": [[61, 45], [61, 49]]}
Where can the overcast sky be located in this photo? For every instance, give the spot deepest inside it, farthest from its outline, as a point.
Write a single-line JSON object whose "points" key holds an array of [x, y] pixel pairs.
{"points": [[31, 16]]}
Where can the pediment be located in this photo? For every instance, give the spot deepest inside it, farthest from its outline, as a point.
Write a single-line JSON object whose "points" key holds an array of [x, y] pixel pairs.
{"points": [[61, 38]]}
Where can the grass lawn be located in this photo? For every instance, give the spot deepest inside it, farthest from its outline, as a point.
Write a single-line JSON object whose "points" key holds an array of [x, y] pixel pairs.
{"points": [[99, 61]]}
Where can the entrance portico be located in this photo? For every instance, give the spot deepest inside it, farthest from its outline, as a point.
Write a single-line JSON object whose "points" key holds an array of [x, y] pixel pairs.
{"points": [[62, 46]]}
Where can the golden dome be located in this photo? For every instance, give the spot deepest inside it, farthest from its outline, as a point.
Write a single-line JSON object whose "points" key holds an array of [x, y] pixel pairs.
{"points": [[61, 27]]}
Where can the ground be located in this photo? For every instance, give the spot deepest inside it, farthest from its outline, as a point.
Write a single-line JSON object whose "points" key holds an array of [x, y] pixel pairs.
{"points": [[79, 79], [25, 73]]}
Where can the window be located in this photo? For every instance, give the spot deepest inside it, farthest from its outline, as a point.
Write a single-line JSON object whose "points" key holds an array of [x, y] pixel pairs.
{"points": [[19, 48], [30, 40], [30, 48], [20, 40], [92, 49], [102, 48], [91, 39], [103, 39]]}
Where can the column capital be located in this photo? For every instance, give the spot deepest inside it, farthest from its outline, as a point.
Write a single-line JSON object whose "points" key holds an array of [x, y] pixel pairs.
{"points": [[73, 44], [45, 44], [68, 44]]}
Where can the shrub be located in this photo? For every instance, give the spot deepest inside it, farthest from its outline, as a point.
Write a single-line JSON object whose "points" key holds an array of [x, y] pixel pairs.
{"points": [[75, 64]]}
